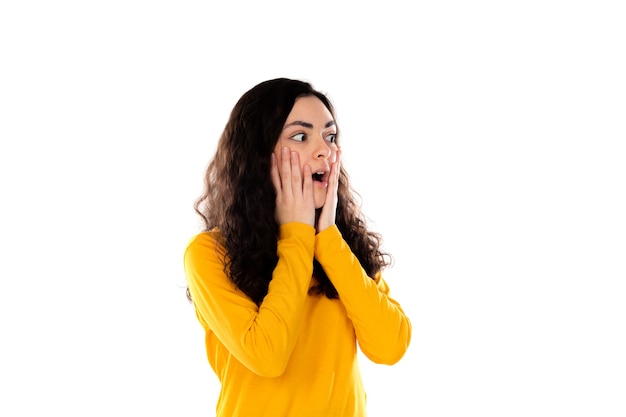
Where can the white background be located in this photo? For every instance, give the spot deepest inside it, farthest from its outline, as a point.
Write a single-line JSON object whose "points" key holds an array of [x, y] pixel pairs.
{"points": [[486, 139]]}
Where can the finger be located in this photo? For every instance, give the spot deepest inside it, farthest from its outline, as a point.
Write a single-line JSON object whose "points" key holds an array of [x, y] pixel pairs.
{"points": [[275, 175], [296, 177], [335, 168], [307, 182], [285, 172]]}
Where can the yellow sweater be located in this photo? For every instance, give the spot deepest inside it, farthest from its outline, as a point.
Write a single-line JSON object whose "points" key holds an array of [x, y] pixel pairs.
{"points": [[295, 355]]}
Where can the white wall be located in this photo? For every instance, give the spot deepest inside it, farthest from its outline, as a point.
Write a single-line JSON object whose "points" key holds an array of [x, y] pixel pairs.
{"points": [[486, 140]]}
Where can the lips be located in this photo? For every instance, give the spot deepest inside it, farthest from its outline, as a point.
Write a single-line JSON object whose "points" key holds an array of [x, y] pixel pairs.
{"points": [[320, 175]]}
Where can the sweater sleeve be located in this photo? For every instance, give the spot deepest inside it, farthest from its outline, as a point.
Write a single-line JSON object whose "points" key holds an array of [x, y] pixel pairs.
{"points": [[260, 337], [382, 328]]}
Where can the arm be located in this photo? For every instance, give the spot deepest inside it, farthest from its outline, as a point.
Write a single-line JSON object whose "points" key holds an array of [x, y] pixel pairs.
{"points": [[382, 329], [260, 337]]}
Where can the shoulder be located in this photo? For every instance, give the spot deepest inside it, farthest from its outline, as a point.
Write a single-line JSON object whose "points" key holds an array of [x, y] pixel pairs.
{"points": [[203, 244]]}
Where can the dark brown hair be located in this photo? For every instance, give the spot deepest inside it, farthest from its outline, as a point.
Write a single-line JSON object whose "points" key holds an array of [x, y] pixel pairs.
{"points": [[240, 201]]}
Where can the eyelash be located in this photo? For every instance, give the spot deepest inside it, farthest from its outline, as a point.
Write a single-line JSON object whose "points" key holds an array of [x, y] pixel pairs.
{"points": [[333, 137]]}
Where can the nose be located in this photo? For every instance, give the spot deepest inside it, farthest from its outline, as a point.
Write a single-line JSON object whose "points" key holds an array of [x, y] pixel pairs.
{"points": [[322, 150]]}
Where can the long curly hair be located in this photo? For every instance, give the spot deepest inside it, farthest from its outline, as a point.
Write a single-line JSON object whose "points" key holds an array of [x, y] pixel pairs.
{"points": [[239, 198]]}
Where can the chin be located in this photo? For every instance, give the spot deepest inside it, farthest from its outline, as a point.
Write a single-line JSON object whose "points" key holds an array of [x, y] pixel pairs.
{"points": [[320, 199]]}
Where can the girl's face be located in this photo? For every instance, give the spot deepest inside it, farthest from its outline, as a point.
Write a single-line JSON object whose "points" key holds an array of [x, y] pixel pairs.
{"points": [[310, 130]]}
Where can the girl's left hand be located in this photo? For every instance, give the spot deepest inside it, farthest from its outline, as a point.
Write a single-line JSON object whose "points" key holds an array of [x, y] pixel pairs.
{"points": [[329, 210]]}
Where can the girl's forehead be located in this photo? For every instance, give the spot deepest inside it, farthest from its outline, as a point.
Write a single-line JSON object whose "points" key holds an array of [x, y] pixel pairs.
{"points": [[309, 109]]}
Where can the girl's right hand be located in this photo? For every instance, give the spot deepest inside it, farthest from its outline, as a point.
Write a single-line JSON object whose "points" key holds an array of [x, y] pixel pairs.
{"points": [[294, 194]]}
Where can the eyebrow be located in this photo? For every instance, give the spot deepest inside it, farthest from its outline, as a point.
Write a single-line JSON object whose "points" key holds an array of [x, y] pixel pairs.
{"points": [[308, 125]]}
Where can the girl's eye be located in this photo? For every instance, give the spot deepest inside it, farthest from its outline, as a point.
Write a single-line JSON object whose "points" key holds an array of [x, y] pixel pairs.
{"points": [[299, 137], [332, 138]]}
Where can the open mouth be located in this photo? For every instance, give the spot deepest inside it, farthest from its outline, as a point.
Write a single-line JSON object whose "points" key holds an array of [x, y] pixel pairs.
{"points": [[319, 176]]}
